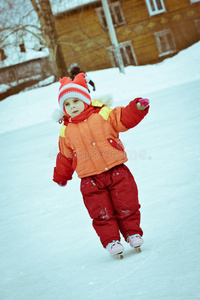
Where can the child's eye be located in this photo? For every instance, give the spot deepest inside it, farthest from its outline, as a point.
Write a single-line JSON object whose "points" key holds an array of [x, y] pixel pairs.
{"points": [[76, 100], [66, 104]]}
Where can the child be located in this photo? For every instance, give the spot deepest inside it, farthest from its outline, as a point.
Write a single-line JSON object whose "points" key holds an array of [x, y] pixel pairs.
{"points": [[89, 144]]}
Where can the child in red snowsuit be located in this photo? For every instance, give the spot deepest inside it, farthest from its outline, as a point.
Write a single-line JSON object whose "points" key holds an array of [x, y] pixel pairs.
{"points": [[89, 143]]}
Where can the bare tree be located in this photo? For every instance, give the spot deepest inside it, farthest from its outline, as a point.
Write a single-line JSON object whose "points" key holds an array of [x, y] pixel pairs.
{"points": [[47, 22], [33, 17]]}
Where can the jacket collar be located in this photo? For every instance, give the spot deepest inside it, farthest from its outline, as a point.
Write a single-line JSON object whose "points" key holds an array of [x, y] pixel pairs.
{"points": [[82, 116]]}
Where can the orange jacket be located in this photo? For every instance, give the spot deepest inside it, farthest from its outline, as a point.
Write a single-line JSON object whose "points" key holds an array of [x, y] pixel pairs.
{"points": [[92, 146]]}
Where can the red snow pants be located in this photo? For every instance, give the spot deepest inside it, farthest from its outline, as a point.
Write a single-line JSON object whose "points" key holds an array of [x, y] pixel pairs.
{"points": [[111, 199]]}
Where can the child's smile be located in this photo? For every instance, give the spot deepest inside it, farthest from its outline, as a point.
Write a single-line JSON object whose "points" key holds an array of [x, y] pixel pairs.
{"points": [[74, 106]]}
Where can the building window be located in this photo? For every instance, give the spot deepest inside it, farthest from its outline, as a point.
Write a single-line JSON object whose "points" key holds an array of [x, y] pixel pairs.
{"points": [[165, 42], [127, 54], [116, 14], [3, 56], [155, 7], [22, 47]]}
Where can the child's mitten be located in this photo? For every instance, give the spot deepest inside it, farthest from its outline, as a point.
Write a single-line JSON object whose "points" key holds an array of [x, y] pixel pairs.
{"points": [[142, 103], [62, 183]]}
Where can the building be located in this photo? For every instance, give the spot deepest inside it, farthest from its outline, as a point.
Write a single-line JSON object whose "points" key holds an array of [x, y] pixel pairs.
{"points": [[22, 66], [148, 31]]}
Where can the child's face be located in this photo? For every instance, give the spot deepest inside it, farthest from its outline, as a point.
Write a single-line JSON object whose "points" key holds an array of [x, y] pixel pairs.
{"points": [[74, 106]]}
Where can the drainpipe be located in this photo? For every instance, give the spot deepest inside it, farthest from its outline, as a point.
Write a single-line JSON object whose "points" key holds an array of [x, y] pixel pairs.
{"points": [[113, 36]]}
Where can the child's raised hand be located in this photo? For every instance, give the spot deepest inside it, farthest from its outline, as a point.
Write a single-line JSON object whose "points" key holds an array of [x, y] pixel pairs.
{"points": [[142, 103]]}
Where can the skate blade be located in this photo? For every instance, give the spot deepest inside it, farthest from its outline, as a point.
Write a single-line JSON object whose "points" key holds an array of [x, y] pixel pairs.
{"points": [[118, 255], [138, 249]]}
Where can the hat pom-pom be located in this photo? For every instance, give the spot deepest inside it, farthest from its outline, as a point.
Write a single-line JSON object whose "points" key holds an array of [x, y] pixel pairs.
{"points": [[57, 115], [64, 80]]}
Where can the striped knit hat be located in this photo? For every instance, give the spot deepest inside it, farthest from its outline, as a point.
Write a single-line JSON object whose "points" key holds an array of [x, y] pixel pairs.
{"points": [[73, 89]]}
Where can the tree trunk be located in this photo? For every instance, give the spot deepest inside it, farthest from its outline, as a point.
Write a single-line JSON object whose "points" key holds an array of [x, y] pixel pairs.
{"points": [[47, 22]]}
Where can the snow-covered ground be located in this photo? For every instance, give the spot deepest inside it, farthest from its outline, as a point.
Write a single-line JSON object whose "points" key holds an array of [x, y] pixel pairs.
{"points": [[49, 249]]}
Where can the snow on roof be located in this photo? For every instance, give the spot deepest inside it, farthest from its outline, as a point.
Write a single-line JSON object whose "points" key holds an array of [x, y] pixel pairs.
{"points": [[14, 56], [59, 6]]}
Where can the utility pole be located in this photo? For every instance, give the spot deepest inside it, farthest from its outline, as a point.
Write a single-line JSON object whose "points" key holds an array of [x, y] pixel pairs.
{"points": [[113, 36]]}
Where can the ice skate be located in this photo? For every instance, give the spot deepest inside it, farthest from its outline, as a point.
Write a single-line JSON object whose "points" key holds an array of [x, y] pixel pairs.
{"points": [[135, 241], [115, 248]]}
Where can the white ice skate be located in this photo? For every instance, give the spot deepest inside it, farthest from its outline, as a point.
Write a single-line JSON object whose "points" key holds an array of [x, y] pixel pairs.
{"points": [[135, 241], [115, 248]]}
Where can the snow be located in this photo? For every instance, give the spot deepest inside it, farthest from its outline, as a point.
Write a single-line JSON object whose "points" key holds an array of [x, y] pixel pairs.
{"points": [[68, 5], [14, 56], [49, 249], [17, 57]]}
